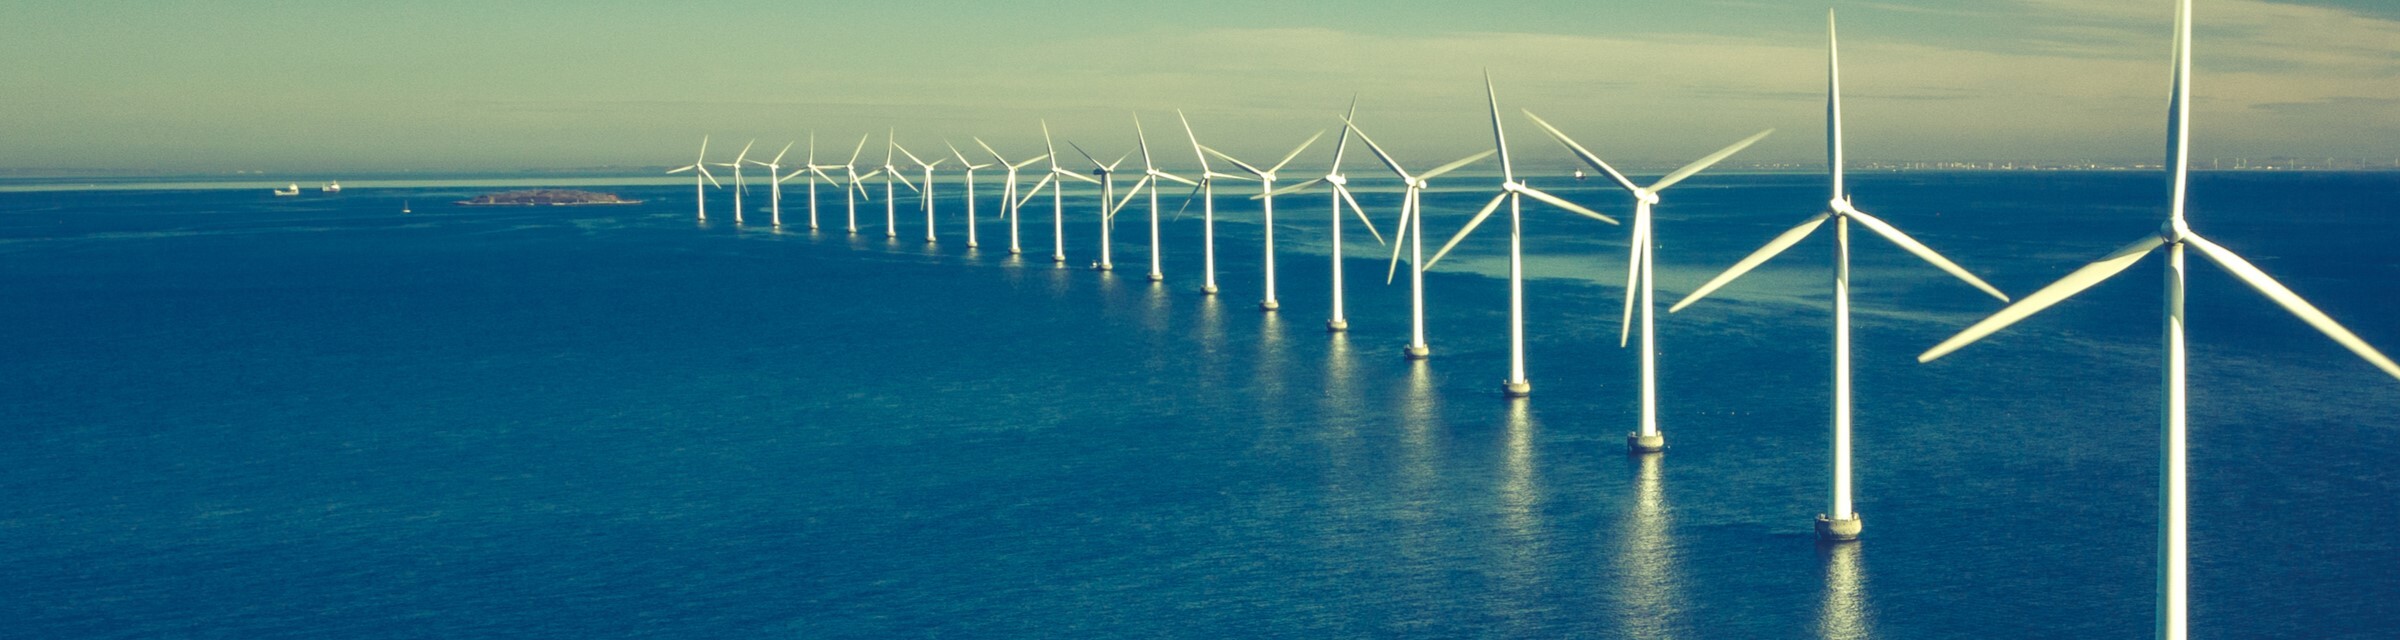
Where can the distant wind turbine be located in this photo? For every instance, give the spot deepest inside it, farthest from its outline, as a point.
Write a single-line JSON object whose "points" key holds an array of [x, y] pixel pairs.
{"points": [[1338, 194], [2173, 564], [1010, 203], [1839, 522], [1058, 209], [1108, 194], [1411, 233], [925, 195], [699, 193], [853, 191], [891, 218], [1151, 177], [775, 183], [814, 172], [1266, 197], [1511, 190], [971, 167], [1208, 207], [738, 185]]}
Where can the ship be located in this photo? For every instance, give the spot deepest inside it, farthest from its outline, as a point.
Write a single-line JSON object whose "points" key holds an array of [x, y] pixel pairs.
{"points": [[291, 190], [332, 187]]}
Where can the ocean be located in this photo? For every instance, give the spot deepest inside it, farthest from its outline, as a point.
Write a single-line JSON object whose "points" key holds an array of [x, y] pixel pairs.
{"points": [[241, 416]]}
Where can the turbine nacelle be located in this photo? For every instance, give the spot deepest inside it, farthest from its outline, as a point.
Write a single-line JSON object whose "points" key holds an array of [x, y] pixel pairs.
{"points": [[2174, 231], [1645, 195]]}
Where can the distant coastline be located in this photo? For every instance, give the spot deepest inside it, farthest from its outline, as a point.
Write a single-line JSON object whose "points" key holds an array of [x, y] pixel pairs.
{"points": [[545, 198]]}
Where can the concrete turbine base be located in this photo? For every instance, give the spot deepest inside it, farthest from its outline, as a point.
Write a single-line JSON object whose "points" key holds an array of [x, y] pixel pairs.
{"points": [[1517, 389], [1157, 277], [1209, 289], [971, 244], [1058, 257], [1337, 326], [1638, 443], [1014, 251], [1838, 530], [1104, 267], [1417, 351], [1268, 305]]}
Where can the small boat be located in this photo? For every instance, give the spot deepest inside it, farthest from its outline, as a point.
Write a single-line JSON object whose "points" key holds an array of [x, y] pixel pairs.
{"points": [[404, 206], [332, 187], [291, 190]]}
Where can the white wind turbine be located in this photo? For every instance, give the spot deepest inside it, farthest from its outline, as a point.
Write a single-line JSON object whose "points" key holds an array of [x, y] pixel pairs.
{"points": [[1151, 176], [738, 185], [971, 167], [1839, 522], [1208, 207], [1058, 209], [1008, 192], [925, 195], [1411, 235], [699, 193], [1108, 194], [1639, 268], [891, 218], [815, 171], [775, 183], [853, 191], [2173, 566], [1266, 196], [1516, 386], [1339, 195]]}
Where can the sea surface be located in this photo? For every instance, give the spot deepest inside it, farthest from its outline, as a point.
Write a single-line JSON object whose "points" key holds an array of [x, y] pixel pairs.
{"points": [[232, 415]]}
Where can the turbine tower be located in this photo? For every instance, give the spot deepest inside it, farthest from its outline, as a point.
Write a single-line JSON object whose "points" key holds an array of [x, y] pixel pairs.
{"points": [[1008, 195], [816, 171], [2173, 566], [1516, 386], [852, 192], [1266, 195], [1839, 522], [1339, 195], [1208, 207], [775, 184], [1151, 176], [1411, 233], [1108, 194], [1638, 269], [971, 167], [699, 193], [925, 195], [738, 185]]}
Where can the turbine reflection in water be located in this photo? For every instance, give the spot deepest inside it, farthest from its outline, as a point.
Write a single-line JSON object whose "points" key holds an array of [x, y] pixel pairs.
{"points": [[1520, 520], [1652, 593], [1844, 612]]}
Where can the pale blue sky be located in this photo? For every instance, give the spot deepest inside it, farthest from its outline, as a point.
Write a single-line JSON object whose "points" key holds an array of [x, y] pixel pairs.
{"points": [[285, 86]]}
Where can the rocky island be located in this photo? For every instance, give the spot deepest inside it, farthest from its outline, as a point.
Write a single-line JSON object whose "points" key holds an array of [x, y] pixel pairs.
{"points": [[540, 197]]}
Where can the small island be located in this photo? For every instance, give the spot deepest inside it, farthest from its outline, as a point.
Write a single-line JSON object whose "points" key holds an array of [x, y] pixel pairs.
{"points": [[541, 197]]}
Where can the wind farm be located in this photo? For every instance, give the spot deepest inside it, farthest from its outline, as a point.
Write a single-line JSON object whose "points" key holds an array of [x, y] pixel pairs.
{"points": [[247, 413]]}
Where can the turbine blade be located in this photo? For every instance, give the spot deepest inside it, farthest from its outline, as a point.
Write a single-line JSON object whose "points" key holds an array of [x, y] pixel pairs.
{"points": [[1759, 257], [862, 147], [2073, 283], [1563, 204], [995, 154], [1456, 164], [1237, 162], [1287, 158], [1342, 144], [1638, 244], [712, 178], [1893, 234], [1394, 165], [2291, 302], [683, 168], [1037, 189], [787, 148], [1290, 189], [1176, 178], [1581, 153], [1508, 172], [1833, 106], [1142, 138], [1704, 163], [1078, 176], [1129, 195], [1362, 214], [1400, 238], [1488, 208], [904, 180], [911, 156], [1187, 201], [1187, 133], [1086, 154], [962, 158]]}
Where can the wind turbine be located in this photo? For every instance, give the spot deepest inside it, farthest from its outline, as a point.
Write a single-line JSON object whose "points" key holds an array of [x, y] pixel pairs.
{"points": [[925, 196], [853, 191], [738, 185], [1058, 209], [814, 172], [1208, 207], [1008, 192], [775, 183], [1639, 268], [1266, 195], [1151, 176], [1512, 191], [1339, 195], [699, 194], [971, 167], [2173, 566], [1108, 194], [891, 218], [1412, 234], [1838, 522]]}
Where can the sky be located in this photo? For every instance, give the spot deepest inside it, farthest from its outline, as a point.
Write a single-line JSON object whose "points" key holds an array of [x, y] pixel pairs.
{"points": [[433, 85]]}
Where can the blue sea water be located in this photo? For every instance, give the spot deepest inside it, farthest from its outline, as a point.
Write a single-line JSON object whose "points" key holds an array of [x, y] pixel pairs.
{"points": [[233, 415]]}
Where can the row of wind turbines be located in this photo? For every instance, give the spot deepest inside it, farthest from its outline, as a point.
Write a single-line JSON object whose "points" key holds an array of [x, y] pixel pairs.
{"points": [[1840, 522]]}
